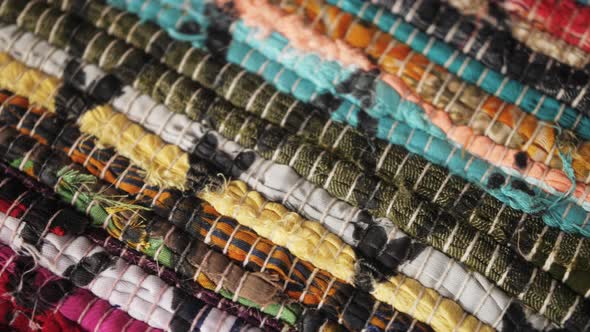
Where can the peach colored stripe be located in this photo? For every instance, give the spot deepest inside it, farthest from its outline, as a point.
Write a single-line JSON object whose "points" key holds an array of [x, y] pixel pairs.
{"points": [[268, 18]]}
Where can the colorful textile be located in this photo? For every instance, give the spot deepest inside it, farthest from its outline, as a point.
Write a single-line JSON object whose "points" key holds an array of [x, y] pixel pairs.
{"points": [[254, 317], [147, 137], [294, 165], [473, 120], [236, 85], [490, 251], [145, 145], [481, 124], [161, 240], [130, 181]]}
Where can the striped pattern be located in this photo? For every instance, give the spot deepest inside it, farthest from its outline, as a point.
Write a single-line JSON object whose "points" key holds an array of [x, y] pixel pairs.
{"points": [[282, 165]]}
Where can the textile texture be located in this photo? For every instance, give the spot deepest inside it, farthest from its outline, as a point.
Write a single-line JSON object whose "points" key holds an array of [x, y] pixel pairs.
{"points": [[294, 165]]}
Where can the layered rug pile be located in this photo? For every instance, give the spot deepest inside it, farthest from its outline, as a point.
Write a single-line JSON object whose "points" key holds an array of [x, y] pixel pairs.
{"points": [[294, 165]]}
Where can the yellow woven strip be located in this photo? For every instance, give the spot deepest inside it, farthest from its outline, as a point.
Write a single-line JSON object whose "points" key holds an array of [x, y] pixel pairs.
{"points": [[308, 240], [20, 79], [285, 228], [166, 165]]}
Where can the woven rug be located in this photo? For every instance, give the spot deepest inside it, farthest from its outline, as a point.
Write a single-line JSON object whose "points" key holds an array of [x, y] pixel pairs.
{"points": [[294, 165]]}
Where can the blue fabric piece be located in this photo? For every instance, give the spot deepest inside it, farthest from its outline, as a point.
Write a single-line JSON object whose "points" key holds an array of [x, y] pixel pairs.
{"points": [[283, 79], [169, 16], [327, 75]]}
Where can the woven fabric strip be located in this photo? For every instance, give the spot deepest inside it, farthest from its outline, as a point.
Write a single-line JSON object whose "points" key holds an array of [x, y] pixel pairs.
{"points": [[114, 18], [44, 293], [486, 259], [143, 296], [310, 287]]}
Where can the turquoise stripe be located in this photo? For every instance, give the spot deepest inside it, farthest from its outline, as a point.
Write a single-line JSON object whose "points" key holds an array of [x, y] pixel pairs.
{"points": [[283, 79], [169, 16], [276, 46], [326, 75]]}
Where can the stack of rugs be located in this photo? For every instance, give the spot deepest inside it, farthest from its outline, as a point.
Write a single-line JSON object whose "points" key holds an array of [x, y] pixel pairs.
{"points": [[294, 165]]}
